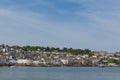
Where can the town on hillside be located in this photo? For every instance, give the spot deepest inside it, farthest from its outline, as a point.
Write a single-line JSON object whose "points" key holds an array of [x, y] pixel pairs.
{"points": [[50, 57]]}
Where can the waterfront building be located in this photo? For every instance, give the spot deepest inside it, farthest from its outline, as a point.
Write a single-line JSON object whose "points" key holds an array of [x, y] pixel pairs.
{"points": [[24, 61]]}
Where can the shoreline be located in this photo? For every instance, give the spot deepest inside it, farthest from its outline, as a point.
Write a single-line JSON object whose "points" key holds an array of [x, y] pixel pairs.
{"points": [[22, 65]]}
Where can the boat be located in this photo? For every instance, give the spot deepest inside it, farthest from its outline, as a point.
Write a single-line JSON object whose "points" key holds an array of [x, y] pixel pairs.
{"points": [[101, 65], [12, 66]]}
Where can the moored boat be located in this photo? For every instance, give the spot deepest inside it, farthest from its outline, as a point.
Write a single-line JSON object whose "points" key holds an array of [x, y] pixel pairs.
{"points": [[101, 65], [12, 66]]}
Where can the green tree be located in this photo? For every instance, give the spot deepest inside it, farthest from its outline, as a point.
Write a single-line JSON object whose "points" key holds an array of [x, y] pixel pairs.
{"points": [[88, 52], [111, 60]]}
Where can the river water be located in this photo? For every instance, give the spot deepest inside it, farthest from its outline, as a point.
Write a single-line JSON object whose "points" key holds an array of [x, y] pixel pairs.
{"points": [[60, 73]]}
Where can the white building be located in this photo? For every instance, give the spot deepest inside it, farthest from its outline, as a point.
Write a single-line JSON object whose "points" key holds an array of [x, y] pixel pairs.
{"points": [[64, 61], [23, 61]]}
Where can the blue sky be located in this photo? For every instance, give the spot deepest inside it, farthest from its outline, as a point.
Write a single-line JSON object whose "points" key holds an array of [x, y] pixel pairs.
{"points": [[92, 24]]}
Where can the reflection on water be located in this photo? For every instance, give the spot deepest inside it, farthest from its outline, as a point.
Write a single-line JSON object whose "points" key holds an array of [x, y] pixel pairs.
{"points": [[59, 73]]}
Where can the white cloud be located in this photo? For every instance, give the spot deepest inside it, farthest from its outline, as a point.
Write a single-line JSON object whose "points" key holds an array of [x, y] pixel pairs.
{"points": [[98, 30]]}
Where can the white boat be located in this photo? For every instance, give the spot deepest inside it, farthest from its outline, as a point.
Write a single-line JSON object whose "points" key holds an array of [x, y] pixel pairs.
{"points": [[12, 66], [101, 65]]}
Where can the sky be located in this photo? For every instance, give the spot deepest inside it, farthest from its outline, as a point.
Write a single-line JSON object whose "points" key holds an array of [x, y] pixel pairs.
{"points": [[91, 24]]}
